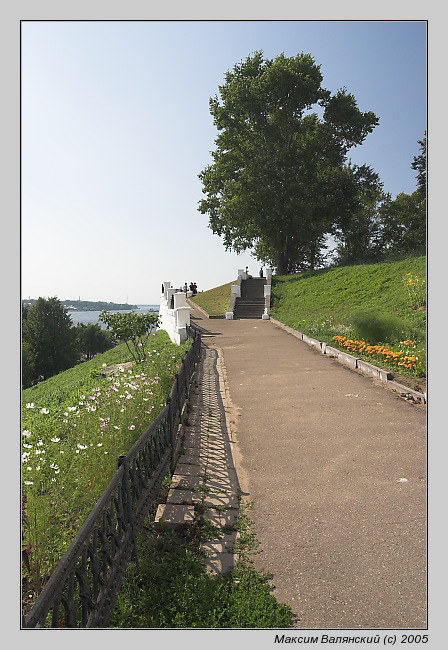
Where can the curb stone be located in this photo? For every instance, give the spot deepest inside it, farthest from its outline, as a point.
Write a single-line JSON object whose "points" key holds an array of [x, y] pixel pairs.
{"points": [[357, 364]]}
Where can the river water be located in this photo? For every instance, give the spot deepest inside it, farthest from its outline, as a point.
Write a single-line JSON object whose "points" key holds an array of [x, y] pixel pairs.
{"points": [[87, 317]]}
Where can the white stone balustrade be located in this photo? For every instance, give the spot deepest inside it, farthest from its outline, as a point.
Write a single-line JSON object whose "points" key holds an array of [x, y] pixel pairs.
{"points": [[174, 313]]}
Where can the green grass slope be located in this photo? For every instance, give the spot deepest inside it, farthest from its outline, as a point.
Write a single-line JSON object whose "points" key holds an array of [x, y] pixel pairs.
{"points": [[339, 293], [214, 301], [378, 303]]}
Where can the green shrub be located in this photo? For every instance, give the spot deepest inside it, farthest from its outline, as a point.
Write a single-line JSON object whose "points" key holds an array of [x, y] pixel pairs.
{"points": [[376, 327], [171, 589]]}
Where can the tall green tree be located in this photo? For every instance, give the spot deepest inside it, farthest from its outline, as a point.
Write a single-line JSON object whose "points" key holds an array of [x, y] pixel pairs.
{"points": [[419, 164], [49, 337], [91, 339], [358, 233], [403, 219], [278, 181]]}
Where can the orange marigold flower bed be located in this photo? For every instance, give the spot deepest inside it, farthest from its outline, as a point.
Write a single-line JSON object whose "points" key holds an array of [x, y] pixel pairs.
{"points": [[381, 352]]}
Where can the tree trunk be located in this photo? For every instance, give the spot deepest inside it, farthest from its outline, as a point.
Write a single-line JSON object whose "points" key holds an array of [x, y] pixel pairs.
{"points": [[312, 256], [282, 263]]}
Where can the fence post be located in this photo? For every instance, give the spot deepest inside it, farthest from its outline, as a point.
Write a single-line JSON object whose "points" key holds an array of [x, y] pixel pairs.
{"points": [[126, 501], [187, 375]]}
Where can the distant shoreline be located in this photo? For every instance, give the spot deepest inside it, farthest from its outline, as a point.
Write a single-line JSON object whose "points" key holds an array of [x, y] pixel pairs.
{"points": [[96, 309], [120, 308], [89, 305], [93, 309]]}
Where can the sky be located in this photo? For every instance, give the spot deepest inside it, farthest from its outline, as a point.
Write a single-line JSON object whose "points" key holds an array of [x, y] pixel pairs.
{"points": [[115, 128]]}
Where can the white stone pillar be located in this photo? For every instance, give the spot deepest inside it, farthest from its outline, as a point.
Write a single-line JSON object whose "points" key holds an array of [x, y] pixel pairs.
{"points": [[236, 289], [182, 317], [180, 300], [169, 292], [166, 286]]}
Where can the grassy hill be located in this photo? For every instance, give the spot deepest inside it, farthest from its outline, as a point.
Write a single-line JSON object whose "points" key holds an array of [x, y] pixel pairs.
{"points": [[214, 301], [377, 310], [329, 299]]}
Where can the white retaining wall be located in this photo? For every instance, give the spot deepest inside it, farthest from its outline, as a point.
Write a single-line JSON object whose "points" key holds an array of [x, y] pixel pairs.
{"points": [[174, 313]]}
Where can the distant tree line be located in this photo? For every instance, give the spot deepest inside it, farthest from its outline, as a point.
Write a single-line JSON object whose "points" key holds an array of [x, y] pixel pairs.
{"points": [[51, 343], [89, 305]]}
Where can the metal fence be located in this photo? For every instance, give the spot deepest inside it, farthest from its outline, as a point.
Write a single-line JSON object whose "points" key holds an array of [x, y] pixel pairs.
{"points": [[82, 590]]}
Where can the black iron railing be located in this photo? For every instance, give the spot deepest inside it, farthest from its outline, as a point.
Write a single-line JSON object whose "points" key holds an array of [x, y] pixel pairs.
{"points": [[82, 590]]}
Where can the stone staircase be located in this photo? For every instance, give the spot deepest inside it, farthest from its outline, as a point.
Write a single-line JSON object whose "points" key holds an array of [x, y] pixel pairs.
{"points": [[252, 301]]}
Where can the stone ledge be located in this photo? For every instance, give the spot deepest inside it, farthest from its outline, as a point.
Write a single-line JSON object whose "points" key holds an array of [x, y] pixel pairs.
{"points": [[183, 497], [405, 391], [347, 359], [173, 516], [313, 342], [288, 329], [193, 305], [221, 500], [373, 371], [331, 352], [219, 563]]}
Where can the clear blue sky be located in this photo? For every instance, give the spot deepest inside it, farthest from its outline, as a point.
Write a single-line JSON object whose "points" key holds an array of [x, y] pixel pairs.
{"points": [[116, 128]]}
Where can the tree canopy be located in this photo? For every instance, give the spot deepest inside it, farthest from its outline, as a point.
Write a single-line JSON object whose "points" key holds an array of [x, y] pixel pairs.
{"points": [[48, 338], [91, 340], [382, 227], [279, 181], [134, 329]]}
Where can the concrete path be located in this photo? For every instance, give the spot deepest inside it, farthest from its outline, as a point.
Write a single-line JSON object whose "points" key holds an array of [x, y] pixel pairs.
{"points": [[334, 464]]}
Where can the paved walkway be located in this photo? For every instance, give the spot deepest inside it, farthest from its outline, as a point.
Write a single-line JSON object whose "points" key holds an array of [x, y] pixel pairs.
{"points": [[334, 464], [205, 478]]}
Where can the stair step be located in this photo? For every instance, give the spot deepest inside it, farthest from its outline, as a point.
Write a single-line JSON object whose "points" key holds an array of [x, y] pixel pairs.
{"points": [[174, 516], [253, 288]]}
